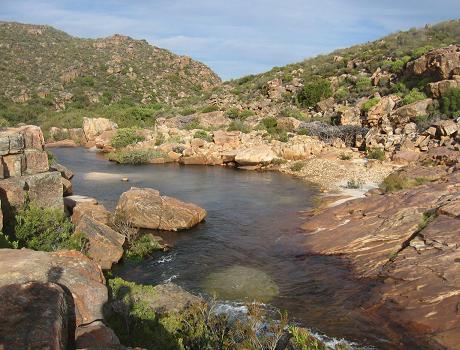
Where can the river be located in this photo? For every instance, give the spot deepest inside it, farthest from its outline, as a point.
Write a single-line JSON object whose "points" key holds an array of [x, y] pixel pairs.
{"points": [[253, 223]]}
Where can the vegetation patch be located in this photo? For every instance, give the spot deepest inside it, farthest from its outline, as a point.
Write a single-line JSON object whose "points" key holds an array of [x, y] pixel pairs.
{"points": [[450, 102], [125, 137], [201, 134], [297, 166], [396, 182], [238, 125], [376, 153], [140, 156], [413, 96], [314, 91], [142, 247]]}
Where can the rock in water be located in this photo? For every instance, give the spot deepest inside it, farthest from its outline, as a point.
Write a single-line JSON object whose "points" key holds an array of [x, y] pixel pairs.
{"points": [[146, 208], [34, 315], [241, 283]]}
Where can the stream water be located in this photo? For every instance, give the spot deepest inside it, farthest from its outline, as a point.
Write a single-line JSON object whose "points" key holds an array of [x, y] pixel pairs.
{"points": [[251, 234]]}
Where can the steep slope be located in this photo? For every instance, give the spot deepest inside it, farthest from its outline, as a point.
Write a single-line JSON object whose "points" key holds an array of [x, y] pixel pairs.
{"points": [[44, 66]]}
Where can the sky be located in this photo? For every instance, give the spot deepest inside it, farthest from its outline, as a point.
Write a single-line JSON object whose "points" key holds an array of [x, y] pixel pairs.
{"points": [[235, 37]]}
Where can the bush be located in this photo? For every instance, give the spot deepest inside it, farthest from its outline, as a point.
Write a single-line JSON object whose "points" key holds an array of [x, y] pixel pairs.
{"points": [[201, 134], [141, 156], [354, 184], [45, 229], [297, 166], [238, 125], [413, 96], [194, 124], [7, 242], [210, 108], [235, 113], [397, 182], [142, 247], [327, 133], [342, 93], [125, 137], [363, 84], [376, 153], [450, 102], [293, 113], [366, 107], [345, 156], [314, 91], [270, 124]]}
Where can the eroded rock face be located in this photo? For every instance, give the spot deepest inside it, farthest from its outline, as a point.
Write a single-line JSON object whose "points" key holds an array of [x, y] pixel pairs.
{"points": [[94, 127], [410, 239], [146, 208], [70, 269], [35, 315]]}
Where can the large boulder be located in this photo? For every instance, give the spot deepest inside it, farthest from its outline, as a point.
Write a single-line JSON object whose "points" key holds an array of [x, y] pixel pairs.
{"points": [[105, 244], [440, 64], [228, 139], [215, 120], [146, 208], [94, 127], [255, 155], [35, 315], [70, 269], [439, 88], [381, 110], [409, 112]]}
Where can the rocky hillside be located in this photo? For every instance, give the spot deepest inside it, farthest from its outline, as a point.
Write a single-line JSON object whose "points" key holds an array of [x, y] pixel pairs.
{"points": [[46, 69]]}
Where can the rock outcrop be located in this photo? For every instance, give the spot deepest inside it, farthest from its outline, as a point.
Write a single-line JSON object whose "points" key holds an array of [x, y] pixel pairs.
{"points": [[409, 239], [256, 155], [94, 127], [146, 208], [440, 64]]}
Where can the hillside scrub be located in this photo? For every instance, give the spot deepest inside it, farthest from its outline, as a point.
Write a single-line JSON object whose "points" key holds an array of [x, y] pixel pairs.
{"points": [[450, 102], [141, 156], [314, 91]]}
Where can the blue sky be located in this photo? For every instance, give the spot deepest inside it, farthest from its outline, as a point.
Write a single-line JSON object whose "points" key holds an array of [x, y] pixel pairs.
{"points": [[235, 37]]}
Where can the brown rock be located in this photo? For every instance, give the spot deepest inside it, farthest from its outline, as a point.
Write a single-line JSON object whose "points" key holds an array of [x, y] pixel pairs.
{"points": [[94, 127], [227, 138], [381, 110], [325, 105], [438, 89], [65, 172], [33, 137], [66, 187], [215, 119], [105, 244], [440, 64], [96, 336], [405, 157], [78, 136], [409, 112], [35, 162], [14, 165], [71, 269], [255, 155], [62, 143], [195, 159], [145, 208], [94, 210], [35, 315]]}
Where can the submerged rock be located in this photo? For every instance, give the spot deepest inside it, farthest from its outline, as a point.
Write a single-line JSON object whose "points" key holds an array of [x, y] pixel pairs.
{"points": [[146, 208], [241, 283]]}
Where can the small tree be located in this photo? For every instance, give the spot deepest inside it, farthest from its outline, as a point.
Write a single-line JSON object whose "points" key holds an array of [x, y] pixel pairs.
{"points": [[450, 102], [314, 91]]}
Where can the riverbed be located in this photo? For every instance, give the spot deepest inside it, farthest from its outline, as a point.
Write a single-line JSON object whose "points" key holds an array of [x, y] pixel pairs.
{"points": [[252, 228]]}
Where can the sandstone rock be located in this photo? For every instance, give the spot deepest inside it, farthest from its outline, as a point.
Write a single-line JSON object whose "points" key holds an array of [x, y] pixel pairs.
{"points": [[382, 109], [105, 244], [227, 138], [65, 172], [446, 127], [94, 127], [408, 112], [35, 162], [62, 143], [299, 147], [14, 165], [325, 105], [67, 189], [288, 123], [195, 159], [78, 136], [96, 336], [215, 119], [349, 115], [405, 157], [145, 208], [441, 63], [255, 155], [438, 89], [33, 137], [93, 210], [103, 141], [70, 269], [35, 315]]}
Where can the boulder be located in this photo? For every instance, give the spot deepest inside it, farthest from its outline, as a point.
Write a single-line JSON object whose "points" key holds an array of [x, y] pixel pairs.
{"points": [[65, 172], [255, 155], [299, 147], [438, 89], [440, 64], [105, 244], [405, 157], [409, 112], [349, 115], [146, 208], [94, 127], [227, 138], [67, 189], [215, 119], [446, 127], [288, 123], [94, 210], [78, 136], [35, 162], [14, 165], [70, 269], [35, 315], [96, 336], [33, 137], [325, 105], [381, 110]]}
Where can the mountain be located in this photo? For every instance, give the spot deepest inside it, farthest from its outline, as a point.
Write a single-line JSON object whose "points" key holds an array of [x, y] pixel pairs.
{"points": [[47, 69]]}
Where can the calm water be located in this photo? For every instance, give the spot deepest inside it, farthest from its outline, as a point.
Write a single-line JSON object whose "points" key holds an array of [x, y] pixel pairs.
{"points": [[253, 221]]}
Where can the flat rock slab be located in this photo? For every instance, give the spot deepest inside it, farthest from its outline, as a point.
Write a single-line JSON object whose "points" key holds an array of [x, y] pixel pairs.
{"points": [[146, 208]]}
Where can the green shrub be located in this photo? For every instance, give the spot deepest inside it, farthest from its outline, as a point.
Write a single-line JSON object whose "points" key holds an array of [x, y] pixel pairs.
{"points": [[159, 139], [141, 156], [314, 91], [342, 93], [303, 131], [396, 182], [194, 124], [450, 102], [125, 137], [201, 134], [7, 242], [297, 166], [376, 153], [421, 51], [354, 184], [142, 247], [301, 339], [210, 108], [45, 229], [363, 84], [79, 242], [413, 96], [235, 113], [238, 125], [345, 156], [369, 104], [293, 112]]}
